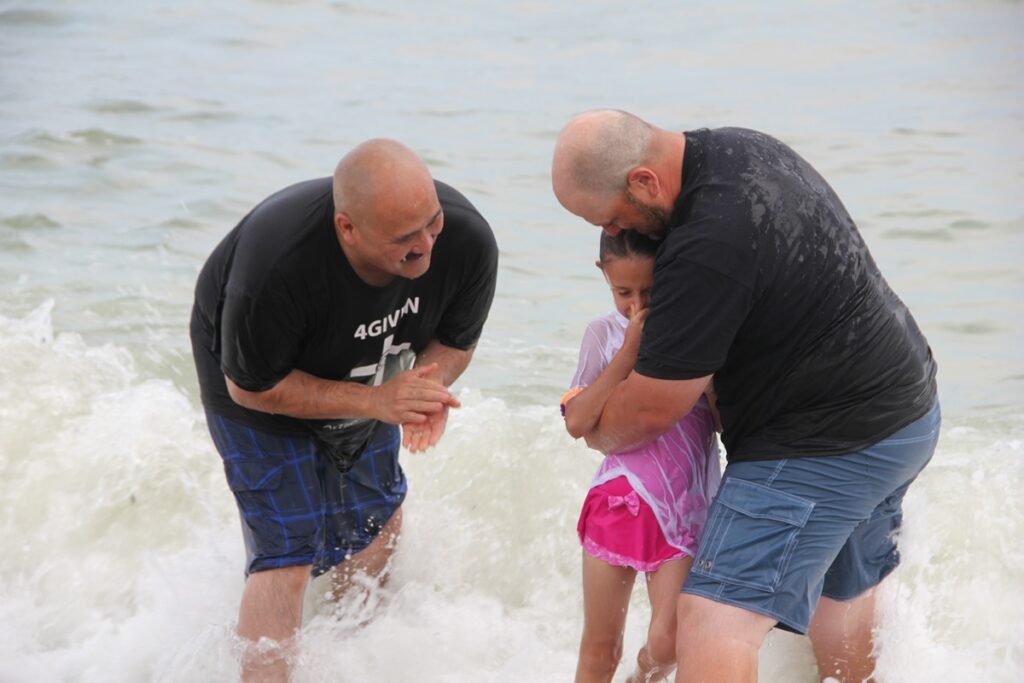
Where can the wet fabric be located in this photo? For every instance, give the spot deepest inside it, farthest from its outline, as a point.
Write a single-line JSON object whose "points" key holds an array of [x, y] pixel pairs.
{"points": [[677, 474], [295, 506], [781, 533], [764, 281], [618, 526]]}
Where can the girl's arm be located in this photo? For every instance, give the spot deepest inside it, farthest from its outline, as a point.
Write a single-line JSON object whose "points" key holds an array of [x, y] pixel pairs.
{"points": [[583, 410]]}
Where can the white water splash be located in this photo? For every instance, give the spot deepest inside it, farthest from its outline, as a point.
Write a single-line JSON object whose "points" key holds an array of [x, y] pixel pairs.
{"points": [[124, 559]]}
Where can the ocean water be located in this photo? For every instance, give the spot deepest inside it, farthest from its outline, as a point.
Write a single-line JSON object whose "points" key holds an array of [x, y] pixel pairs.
{"points": [[133, 135]]}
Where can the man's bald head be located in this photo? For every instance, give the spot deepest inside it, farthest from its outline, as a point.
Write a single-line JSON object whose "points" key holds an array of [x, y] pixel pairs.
{"points": [[368, 179], [596, 150], [387, 214]]}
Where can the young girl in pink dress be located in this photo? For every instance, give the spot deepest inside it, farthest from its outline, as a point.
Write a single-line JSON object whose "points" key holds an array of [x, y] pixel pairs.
{"points": [[645, 508]]}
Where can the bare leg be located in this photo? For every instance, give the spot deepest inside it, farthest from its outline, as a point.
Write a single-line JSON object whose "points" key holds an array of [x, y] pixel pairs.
{"points": [[606, 590], [657, 657], [841, 635], [271, 608], [718, 643], [371, 562]]}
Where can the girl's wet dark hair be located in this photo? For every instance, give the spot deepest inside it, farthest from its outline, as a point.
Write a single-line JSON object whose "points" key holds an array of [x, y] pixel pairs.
{"points": [[626, 243]]}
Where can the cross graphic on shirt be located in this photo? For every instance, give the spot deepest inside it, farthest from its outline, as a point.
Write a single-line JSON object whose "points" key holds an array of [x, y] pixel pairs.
{"points": [[377, 370]]}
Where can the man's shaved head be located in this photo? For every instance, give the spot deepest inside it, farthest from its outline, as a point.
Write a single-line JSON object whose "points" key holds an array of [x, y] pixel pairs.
{"points": [[386, 211], [595, 151], [374, 174]]}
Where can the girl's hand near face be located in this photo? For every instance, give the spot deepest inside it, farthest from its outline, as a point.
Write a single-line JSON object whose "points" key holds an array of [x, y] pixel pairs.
{"points": [[635, 328]]}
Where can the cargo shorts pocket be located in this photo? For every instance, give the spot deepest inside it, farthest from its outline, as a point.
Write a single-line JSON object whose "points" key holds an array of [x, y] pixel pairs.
{"points": [[251, 481], [750, 536], [252, 475]]}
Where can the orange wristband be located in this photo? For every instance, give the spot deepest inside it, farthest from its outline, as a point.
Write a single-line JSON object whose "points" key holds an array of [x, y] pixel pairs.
{"points": [[567, 396]]}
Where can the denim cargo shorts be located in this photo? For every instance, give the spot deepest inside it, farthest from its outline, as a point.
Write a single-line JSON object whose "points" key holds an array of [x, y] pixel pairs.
{"points": [[781, 533]]}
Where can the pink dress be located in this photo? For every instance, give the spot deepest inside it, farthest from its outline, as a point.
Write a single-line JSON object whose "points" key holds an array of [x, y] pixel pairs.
{"points": [[670, 481]]}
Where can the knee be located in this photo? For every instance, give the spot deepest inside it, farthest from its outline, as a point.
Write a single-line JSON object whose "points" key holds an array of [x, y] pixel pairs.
{"points": [[600, 658], [702, 621], [285, 580], [688, 620], [297, 575], [272, 603]]}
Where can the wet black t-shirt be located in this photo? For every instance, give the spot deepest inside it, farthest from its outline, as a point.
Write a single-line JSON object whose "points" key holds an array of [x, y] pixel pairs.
{"points": [[764, 281], [278, 294]]}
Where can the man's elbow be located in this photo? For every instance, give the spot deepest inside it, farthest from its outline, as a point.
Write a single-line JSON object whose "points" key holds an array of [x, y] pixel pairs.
{"points": [[575, 426], [237, 394], [247, 399]]}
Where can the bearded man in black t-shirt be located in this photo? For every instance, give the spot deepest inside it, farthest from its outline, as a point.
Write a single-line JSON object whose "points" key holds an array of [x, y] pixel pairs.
{"points": [[825, 384], [336, 311]]}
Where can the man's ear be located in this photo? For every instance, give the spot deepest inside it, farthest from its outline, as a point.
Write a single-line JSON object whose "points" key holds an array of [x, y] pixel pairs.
{"points": [[344, 227], [644, 179]]}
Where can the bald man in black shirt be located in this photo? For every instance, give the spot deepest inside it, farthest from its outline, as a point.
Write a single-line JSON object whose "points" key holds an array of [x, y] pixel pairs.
{"points": [[337, 310], [825, 384]]}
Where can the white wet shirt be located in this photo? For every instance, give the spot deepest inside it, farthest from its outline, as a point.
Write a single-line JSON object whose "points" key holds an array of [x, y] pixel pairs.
{"points": [[678, 473]]}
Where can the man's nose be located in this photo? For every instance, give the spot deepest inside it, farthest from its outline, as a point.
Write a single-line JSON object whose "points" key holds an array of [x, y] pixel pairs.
{"points": [[427, 242], [611, 229]]}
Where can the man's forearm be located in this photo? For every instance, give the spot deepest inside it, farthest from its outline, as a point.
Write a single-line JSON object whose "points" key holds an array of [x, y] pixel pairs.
{"points": [[306, 396], [621, 426], [409, 396], [451, 362], [640, 409]]}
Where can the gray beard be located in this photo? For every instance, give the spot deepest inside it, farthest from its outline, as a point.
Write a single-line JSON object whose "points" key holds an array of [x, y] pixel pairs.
{"points": [[655, 218]]}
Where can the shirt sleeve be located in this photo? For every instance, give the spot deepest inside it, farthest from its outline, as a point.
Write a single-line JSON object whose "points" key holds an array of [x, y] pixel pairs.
{"points": [[701, 297], [463, 321], [593, 359], [261, 334]]}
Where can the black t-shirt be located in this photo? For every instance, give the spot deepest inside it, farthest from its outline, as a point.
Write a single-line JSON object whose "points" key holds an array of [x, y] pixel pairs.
{"points": [[764, 281], [278, 294]]}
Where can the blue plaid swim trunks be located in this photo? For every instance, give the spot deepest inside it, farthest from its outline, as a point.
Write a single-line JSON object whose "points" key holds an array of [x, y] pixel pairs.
{"points": [[295, 506]]}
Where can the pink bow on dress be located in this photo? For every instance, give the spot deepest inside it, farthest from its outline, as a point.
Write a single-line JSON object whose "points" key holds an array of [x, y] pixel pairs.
{"points": [[630, 500]]}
